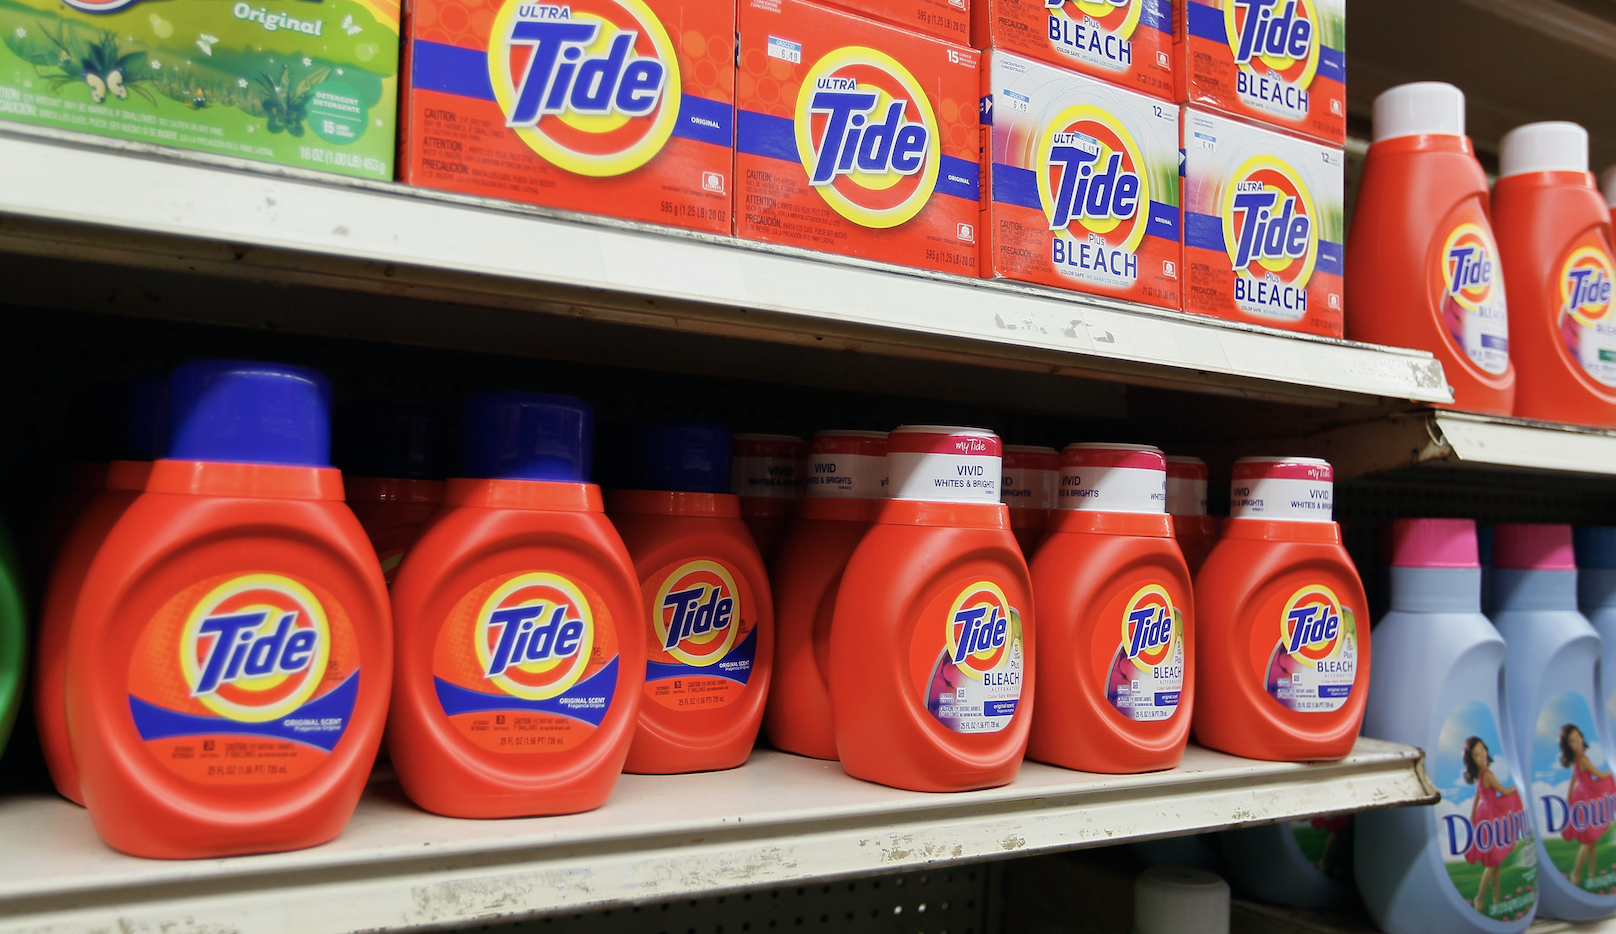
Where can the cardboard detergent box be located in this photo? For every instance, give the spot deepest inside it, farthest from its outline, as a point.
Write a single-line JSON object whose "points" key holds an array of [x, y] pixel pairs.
{"points": [[1280, 62], [1082, 186], [311, 85], [945, 19], [1263, 225], [618, 107], [1125, 42], [856, 137]]}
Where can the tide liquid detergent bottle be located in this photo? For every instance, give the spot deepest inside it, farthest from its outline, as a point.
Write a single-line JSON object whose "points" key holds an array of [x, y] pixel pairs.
{"points": [[1468, 864], [1554, 238], [1596, 598], [766, 473], [392, 459], [931, 643], [1115, 663], [1031, 476], [519, 631], [1425, 248], [708, 612], [231, 653], [145, 439], [1551, 669], [1195, 531], [13, 636], [846, 482], [1300, 864], [1283, 663]]}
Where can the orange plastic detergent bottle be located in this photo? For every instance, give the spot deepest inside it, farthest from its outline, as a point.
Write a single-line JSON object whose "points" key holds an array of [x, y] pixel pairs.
{"points": [[393, 466], [1554, 235], [844, 485], [1607, 187], [1116, 652], [1028, 486], [231, 653], [1283, 664], [1422, 262], [931, 643], [710, 616], [766, 473], [520, 643], [1195, 531], [145, 439]]}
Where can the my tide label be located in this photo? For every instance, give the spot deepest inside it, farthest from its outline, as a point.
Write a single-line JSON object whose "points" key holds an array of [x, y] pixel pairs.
{"points": [[1083, 184], [1482, 828], [1587, 317], [1472, 283], [245, 679], [944, 465], [855, 137], [1113, 478], [703, 635], [1311, 666], [1141, 659], [1125, 42], [527, 663], [1575, 795], [966, 657], [621, 107], [1282, 62], [1282, 488], [1263, 226]]}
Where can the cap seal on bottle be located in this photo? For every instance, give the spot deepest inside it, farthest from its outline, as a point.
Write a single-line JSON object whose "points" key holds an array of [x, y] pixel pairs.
{"points": [[682, 456], [526, 436], [1291, 488], [1186, 486], [1551, 146], [387, 439], [1595, 546], [1607, 185], [847, 465], [1106, 477], [1180, 900], [1533, 547], [944, 464], [145, 429], [1421, 108], [1434, 543], [1031, 476], [767, 466], [247, 412]]}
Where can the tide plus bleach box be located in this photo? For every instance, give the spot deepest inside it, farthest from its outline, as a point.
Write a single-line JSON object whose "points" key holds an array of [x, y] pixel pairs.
{"points": [[620, 107], [1263, 225], [855, 137], [945, 19], [1282, 62], [1126, 42], [1082, 185]]}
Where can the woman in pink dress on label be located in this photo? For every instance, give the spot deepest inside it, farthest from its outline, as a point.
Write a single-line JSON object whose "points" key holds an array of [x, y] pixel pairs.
{"points": [[1589, 786], [1492, 801]]}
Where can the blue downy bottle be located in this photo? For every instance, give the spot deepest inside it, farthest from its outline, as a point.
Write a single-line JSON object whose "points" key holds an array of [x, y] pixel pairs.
{"points": [[1596, 597], [1300, 864]]}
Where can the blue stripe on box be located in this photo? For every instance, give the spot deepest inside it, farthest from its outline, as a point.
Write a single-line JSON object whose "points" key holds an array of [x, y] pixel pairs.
{"points": [[1203, 231], [765, 135], [1015, 185], [1330, 258], [1205, 22], [1333, 64], [705, 121], [960, 178], [1157, 14], [1162, 221]]}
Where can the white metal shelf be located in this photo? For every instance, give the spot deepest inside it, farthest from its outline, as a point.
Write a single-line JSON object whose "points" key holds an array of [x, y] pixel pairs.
{"points": [[1460, 438], [780, 819], [134, 204]]}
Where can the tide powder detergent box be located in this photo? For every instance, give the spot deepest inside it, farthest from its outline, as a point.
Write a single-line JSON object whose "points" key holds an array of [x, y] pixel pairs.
{"points": [[1126, 42], [855, 137], [310, 85], [945, 19], [1263, 225], [1082, 185], [1283, 62], [620, 107]]}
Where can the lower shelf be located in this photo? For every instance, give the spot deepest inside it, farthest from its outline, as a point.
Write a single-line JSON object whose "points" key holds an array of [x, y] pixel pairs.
{"points": [[780, 819]]}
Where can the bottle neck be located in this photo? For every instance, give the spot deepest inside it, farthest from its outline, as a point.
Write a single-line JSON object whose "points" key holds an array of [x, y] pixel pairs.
{"points": [[1515, 589], [1436, 590], [1596, 587]]}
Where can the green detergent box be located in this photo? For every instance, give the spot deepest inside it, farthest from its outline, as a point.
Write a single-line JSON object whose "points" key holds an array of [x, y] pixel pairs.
{"points": [[305, 83]]}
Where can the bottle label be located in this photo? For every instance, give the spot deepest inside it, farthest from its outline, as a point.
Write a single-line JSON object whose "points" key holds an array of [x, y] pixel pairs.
{"points": [[1481, 823], [1473, 306], [768, 477], [1143, 671], [527, 662], [1028, 487], [1326, 843], [245, 679], [1586, 318], [1186, 496], [1113, 488], [703, 635], [1576, 795], [1312, 666], [846, 476], [1282, 491], [967, 659]]}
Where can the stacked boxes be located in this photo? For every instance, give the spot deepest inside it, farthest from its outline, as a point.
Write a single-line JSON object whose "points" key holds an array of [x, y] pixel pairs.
{"points": [[1126, 42]]}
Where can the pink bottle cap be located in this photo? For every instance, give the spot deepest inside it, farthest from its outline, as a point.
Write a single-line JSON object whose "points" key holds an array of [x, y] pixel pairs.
{"points": [[1434, 543], [1533, 547]]}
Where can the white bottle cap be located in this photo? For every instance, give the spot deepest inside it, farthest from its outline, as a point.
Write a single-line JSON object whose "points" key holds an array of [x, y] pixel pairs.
{"points": [[1423, 108], [1291, 488], [847, 465], [1180, 900], [1607, 184], [1031, 476], [944, 464], [1554, 146], [767, 466], [1186, 486], [1113, 478]]}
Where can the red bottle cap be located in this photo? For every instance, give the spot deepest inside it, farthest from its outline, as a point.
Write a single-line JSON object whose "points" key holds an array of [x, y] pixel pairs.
{"points": [[944, 464], [1288, 488], [847, 465], [1108, 477], [767, 466], [1031, 476], [1186, 486]]}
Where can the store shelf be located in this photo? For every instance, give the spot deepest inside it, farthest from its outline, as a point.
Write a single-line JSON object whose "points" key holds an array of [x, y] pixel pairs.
{"points": [[1258, 918], [780, 819], [129, 204], [1458, 438]]}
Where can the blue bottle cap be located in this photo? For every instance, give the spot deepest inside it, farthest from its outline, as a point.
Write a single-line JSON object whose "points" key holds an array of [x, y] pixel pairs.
{"points": [[145, 429], [683, 457], [384, 439], [243, 411], [526, 436], [1596, 547]]}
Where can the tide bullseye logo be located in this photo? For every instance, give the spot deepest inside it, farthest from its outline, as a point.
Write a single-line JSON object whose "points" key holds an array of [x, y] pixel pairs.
{"points": [[1270, 230], [867, 136], [1092, 180], [592, 86], [1310, 626], [255, 648], [1281, 34], [1469, 263], [534, 636], [696, 614], [1116, 17], [1585, 286], [979, 629], [1147, 626]]}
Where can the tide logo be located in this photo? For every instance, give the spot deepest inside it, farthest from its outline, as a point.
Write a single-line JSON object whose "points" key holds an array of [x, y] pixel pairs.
{"points": [[534, 636], [591, 86], [868, 137], [255, 648], [1092, 178], [99, 6], [1585, 286], [696, 614], [1310, 625], [1117, 17], [1147, 626], [1469, 264], [1271, 234], [979, 629], [1281, 34]]}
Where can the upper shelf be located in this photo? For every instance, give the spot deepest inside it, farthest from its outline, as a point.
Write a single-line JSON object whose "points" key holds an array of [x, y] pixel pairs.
{"points": [[131, 204], [1440, 437]]}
